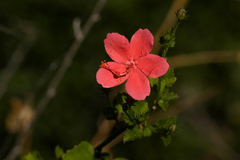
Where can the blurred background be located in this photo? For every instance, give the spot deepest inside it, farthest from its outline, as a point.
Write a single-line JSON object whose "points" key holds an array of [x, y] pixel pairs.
{"points": [[35, 35]]}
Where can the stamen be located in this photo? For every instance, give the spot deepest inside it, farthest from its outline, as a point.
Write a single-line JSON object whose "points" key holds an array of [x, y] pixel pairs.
{"points": [[102, 65], [118, 74]]}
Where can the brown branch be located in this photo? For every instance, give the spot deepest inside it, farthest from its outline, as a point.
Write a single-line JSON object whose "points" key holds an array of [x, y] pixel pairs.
{"points": [[185, 60], [17, 58]]}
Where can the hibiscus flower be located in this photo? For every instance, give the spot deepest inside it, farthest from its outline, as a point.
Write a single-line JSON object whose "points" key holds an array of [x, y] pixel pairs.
{"points": [[132, 63]]}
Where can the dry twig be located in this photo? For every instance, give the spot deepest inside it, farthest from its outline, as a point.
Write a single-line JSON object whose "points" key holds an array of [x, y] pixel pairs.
{"points": [[50, 93]]}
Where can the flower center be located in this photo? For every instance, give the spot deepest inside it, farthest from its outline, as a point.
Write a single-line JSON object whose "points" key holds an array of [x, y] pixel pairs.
{"points": [[132, 64]]}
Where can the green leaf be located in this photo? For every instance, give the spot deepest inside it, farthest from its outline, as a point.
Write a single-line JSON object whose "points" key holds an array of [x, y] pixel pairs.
{"points": [[59, 152], [167, 82], [120, 159], [140, 107], [166, 140], [166, 123], [153, 81], [169, 96], [32, 156], [119, 108], [128, 117], [147, 132], [133, 134], [163, 104], [83, 151]]}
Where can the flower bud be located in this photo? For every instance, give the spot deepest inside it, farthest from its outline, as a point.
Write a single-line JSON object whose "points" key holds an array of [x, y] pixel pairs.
{"points": [[172, 128], [181, 14]]}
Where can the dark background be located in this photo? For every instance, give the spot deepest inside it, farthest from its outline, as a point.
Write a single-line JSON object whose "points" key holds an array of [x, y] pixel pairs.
{"points": [[72, 115]]}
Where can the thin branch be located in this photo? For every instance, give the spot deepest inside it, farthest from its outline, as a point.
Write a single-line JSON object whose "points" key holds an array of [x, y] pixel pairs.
{"points": [[185, 60], [9, 31], [17, 58], [50, 93], [80, 36]]}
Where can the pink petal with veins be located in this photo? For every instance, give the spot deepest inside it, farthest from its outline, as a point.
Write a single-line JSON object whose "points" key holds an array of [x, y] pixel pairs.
{"points": [[152, 65], [141, 44], [117, 47], [137, 85]]}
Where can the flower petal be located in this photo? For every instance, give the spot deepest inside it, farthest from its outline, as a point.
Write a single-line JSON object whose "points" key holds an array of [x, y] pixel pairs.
{"points": [[141, 44], [117, 47], [137, 85], [152, 65], [107, 78]]}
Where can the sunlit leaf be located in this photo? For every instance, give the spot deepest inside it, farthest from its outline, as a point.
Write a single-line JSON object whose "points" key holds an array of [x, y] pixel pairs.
{"points": [[59, 152], [32, 156], [83, 151], [153, 81], [140, 107], [133, 134]]}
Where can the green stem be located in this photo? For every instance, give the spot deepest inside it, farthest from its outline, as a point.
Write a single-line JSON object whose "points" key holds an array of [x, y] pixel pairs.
{"points": [[175, 29]]}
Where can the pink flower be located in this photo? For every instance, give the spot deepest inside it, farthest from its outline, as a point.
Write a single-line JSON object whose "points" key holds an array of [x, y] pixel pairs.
{"points": [[132, 63]]}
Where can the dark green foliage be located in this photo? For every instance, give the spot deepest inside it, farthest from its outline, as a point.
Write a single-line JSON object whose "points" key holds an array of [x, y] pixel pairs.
{"points": [[137, 132], [165, 128], [164, 96]]}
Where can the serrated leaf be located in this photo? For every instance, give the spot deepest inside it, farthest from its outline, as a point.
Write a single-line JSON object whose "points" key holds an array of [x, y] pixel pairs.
{"points": [[166, 140], [140, 107], [120, 159], [133, 134], [169, 74], [128, 117], [83, 151], [166, 123], [163, 104], [147, 132], [167, 82], [169, 96], [32, 156], [153, 81], [59, 152]]}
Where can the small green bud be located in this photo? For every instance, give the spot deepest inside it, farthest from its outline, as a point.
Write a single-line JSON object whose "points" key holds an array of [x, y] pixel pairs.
{"points": [[167, 36]]}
